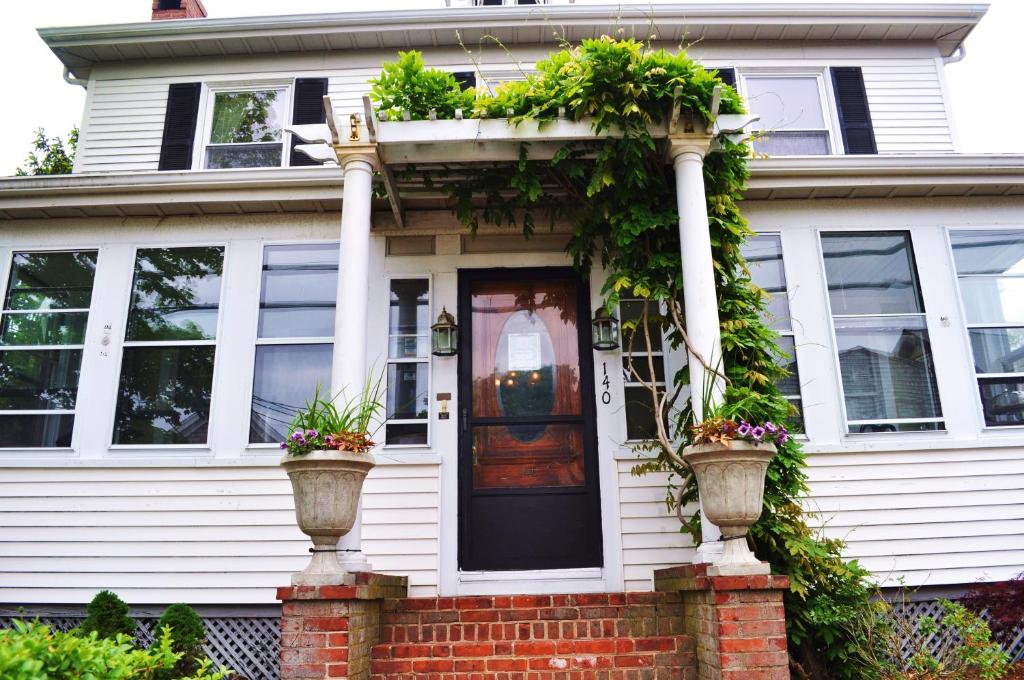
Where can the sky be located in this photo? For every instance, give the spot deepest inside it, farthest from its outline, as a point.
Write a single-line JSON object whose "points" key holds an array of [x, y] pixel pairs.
{"points": [[983, 87]]}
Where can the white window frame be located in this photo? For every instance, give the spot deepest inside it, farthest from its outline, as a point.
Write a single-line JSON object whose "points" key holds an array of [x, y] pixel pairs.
{"points": [[298, 340], [825, 95], [204, 126], [846, 423], [966, 326], [125, 344], [428, 360], [628, 380], [6, 269]]}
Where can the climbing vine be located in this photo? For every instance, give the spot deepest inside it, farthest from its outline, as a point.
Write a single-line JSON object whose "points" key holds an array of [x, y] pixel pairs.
{"points": [[619, 194]]}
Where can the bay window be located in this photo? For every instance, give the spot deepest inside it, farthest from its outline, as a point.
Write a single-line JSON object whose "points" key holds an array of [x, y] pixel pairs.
{"points": [[246, 128], [295, 336], [878, 318], [990, 271], [42, 335], [408, 364], [793, 115], [167, 365]]}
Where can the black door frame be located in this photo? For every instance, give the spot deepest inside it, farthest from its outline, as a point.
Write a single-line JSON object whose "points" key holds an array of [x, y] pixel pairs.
{"points": [[588, 403]]}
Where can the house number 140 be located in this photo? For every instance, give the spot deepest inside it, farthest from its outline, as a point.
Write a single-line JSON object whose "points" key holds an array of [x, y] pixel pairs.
{"points": [[606, 383]]}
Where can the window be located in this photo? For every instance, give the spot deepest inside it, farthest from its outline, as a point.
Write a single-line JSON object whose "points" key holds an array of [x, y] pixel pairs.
{"points": [[295, 337], [885, 358], [246, 128], [640, 412], [408, 367], [42, 333], [170, 343], [763, 254], [990, 270], [793, 116]]}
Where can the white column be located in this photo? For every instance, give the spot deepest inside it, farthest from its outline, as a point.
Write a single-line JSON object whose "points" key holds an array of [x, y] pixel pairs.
{"points": [[699, 297], [348, 369]]}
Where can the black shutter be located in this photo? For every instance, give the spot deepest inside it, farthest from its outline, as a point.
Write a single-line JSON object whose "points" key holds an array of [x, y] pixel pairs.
{"points": [[854, 114], [307, 108], [728, 76], [179, 126]]}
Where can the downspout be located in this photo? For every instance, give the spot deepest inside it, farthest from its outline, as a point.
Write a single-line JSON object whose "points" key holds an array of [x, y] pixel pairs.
{"points": [[71, 80], [958, 55]]}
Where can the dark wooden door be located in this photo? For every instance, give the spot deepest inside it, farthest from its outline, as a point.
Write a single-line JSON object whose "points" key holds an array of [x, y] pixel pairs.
{"points": [[528, 485]]}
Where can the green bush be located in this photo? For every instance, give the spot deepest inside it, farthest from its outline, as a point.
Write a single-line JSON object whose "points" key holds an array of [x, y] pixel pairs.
{"points": [[31, 651], [187, 634], [107, 616], [966, 650]]}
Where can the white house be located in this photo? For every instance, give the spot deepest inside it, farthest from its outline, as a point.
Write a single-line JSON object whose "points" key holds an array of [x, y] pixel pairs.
{"points": [[168, 305]]}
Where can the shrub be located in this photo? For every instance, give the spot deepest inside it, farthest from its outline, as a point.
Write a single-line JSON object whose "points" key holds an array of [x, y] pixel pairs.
{"points": [[107, 616], [965, 650], [187, 635], [31, 651], [1004, 603]]}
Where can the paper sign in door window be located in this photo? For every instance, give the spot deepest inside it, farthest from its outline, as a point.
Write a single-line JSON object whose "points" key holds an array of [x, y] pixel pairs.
{"points": [[524, 351]]}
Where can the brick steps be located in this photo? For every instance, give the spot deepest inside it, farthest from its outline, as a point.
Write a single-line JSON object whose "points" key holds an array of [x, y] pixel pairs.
{"points": [[599, 636]]}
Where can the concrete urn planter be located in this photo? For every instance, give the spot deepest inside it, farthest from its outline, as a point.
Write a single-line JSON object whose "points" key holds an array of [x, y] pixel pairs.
{"points": [[326, 486], [730, 480]]}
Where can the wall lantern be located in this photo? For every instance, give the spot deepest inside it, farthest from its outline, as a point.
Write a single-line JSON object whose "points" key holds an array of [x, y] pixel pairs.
{"points": [[606, 330], [444, 335]]}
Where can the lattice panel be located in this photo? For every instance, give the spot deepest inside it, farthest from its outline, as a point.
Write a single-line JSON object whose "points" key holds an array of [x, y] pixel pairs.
{"points": [[251, 646], [936, 643]]}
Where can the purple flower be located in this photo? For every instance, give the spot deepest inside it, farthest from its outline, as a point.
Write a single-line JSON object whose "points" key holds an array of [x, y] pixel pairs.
{"points": [[757, 433], [297, 436], [783, 437], [312, 434], [284, 445], [329, 440], [744, 429], [770, 427]]}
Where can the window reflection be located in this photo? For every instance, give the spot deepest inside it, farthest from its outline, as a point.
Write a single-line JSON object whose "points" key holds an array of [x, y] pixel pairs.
{"points": [[408, 370]]}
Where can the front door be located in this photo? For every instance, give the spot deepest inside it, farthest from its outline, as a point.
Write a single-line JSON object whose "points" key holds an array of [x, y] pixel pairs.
{"points": [[528, 488]]}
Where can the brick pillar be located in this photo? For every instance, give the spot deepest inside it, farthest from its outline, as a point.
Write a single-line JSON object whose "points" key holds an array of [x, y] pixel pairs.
{"points": [[738, 621], [328, 631]]}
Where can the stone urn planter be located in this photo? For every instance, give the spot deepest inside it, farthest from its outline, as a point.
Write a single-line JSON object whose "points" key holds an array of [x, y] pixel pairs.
{"points": [[326, 486], [730, 480]]}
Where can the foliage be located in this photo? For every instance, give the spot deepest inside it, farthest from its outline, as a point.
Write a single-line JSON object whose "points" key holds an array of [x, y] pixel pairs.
{"points": [[31, 651], [186, 632], [406, 85], [622, 86], [718, 430], [1004, 603], [107, 616], [339, 424], [50, 156], [966, 650]]}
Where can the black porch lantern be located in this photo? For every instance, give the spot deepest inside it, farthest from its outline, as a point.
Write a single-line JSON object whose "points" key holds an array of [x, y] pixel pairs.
{"points": [[606, 330], [444, 335]]}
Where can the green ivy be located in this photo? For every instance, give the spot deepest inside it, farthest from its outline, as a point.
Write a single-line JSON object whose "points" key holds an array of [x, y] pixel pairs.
{"points": [[624, 86]]}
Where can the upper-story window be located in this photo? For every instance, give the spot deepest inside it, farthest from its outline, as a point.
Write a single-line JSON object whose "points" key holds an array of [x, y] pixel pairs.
{"points": [[246, 128], [990, 270], [793, 112]]}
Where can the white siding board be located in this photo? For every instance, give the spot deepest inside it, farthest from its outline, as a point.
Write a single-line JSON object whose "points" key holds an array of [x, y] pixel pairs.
{"points": [[912, 89]]}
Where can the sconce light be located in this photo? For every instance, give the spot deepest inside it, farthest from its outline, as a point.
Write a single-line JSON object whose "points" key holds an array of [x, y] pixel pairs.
{"points": [[444, 335], [606, 330]]}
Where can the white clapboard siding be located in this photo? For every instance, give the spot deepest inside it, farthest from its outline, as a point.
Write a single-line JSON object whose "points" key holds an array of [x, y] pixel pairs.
{"points": [[650, 533], [346, 89], [202, 535], [908, 108], [123, 125], [927, 517]]}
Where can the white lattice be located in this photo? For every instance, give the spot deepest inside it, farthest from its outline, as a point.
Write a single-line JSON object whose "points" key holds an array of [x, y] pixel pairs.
{"points": [[940, 642]]}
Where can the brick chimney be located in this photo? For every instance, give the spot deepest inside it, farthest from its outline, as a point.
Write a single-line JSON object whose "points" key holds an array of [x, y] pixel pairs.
{"points": [[178, 9]]}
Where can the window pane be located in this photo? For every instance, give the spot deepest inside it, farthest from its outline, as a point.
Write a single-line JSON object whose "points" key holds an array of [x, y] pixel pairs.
{"points": [[640, 422], [240, 117], [813, 143], [35, 430], [998, 350], [887, 369], [286, 378], [406, 434], [988, 251], [39, 379], [300, 283], [43, 328], [790, 385], [407, 390], [764, 259], [243, 156], [527, 456], [633, 310], [641, 369], [175, 294], [991, 299], [164, 395], [51, 280], [870, 273], [785, 102], [1002, 401], [409, 318]]}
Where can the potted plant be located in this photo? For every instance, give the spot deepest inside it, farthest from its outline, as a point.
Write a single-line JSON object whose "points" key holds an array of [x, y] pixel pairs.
{"points": [[328, 457], [729, 460]]}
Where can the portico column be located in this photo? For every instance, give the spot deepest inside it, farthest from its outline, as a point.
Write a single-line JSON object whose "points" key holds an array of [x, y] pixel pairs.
{"points": [[348, 369], [699, 296]]}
